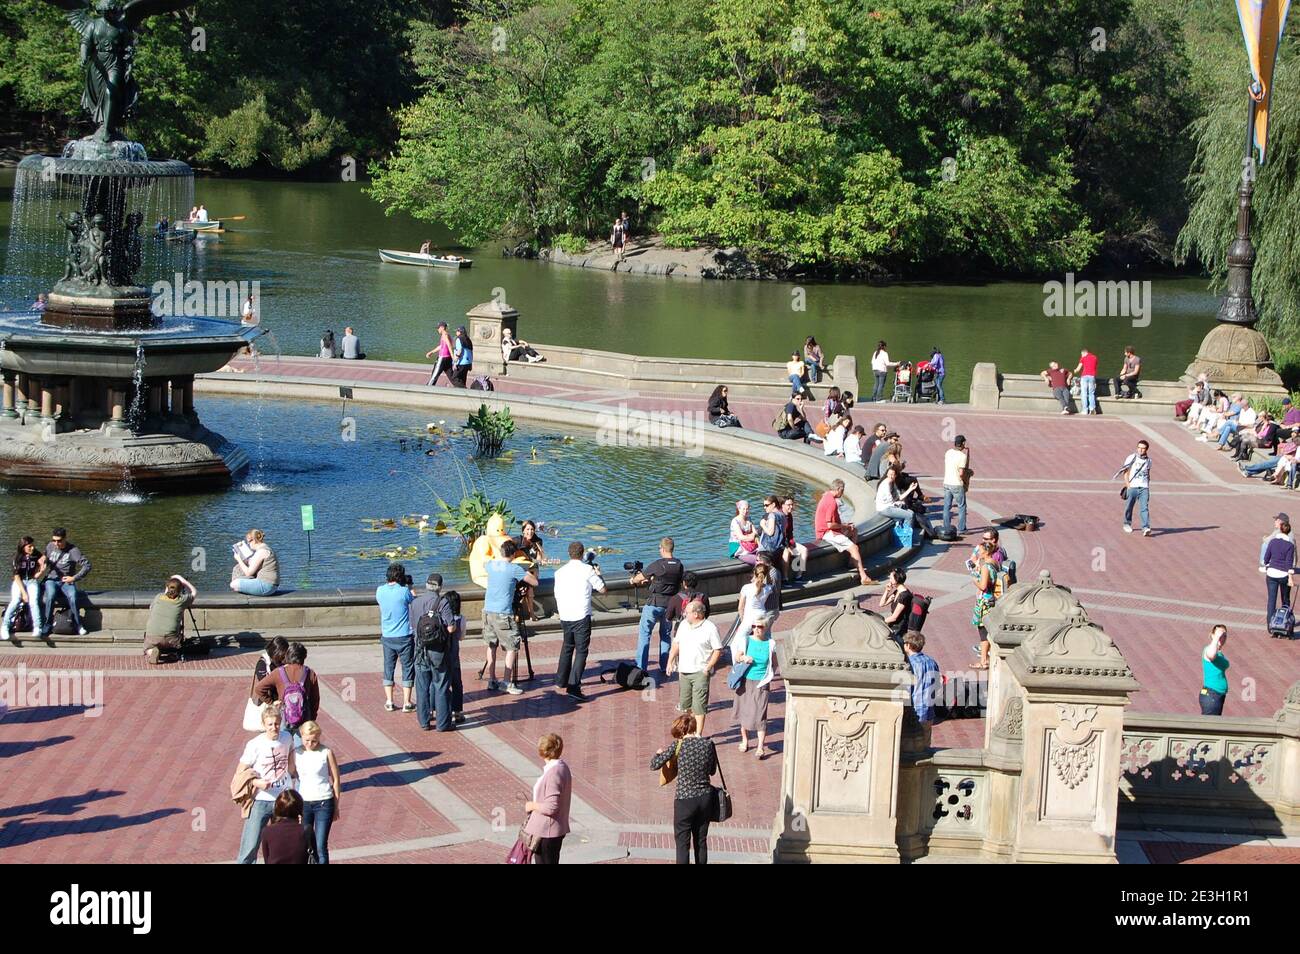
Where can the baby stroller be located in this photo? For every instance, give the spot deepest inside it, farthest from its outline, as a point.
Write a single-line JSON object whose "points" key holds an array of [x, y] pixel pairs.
{"points": [[903, 384], [925, 387]]}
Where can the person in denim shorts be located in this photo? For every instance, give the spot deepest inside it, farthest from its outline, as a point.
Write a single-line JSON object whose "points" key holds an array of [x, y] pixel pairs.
{"points": [[499, 624]]}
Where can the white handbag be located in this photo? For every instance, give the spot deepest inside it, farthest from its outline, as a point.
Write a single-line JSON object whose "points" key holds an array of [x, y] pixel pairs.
{"points": [[253, 715]]}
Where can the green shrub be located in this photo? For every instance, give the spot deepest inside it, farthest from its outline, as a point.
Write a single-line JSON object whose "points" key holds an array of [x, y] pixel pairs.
{"points": [[570, 244]]}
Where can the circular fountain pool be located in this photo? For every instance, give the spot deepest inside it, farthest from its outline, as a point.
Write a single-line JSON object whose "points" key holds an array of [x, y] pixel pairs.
{"points": [[370, 486]]}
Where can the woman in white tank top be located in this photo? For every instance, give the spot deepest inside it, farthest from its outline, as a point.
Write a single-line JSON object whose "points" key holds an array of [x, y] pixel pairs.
{"points": [[318, 784]]}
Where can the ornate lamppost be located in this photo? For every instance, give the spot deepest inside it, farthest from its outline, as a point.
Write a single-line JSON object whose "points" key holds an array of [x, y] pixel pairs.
{"points": [[1234, 355]]}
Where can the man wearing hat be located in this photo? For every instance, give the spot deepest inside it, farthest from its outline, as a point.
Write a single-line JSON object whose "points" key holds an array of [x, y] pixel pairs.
{"points": [[956, 475], [434, 693]]}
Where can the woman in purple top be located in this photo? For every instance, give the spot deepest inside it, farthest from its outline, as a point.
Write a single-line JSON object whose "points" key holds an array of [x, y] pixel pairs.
{"points": [[936, 365], [1278, 567]]}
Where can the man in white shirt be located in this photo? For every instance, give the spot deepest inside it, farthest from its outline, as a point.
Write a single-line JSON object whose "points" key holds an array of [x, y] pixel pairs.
{"points": [[202, 214], [955, 461], [351, 345], [574, 584], [1137, 485], [696, 649]]}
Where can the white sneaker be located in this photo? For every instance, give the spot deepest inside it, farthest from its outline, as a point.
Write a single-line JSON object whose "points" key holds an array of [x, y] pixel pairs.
{"points": [[82, 631], [1146, 531], [513, 690], [4, 633], [1127, 528], [1204, 439]]}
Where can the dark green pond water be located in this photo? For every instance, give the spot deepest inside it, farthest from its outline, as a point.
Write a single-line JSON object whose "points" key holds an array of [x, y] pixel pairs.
{"points": [[314, 249], [624, 499]]}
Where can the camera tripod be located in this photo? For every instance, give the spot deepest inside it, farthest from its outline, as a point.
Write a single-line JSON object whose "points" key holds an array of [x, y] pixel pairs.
{"points": [[528, 656]]}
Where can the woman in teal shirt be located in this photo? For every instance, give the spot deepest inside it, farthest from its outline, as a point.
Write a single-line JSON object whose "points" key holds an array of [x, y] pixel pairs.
{"points": [[462, 358], [1214, 669], [754, 648]]}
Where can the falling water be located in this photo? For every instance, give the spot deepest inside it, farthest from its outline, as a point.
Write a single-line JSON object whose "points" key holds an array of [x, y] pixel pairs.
{"points": [[126, 492], [44, 189], [255, 482]]}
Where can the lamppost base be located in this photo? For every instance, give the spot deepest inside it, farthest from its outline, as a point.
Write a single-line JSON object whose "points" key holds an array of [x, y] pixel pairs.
{"points": [[1235, 358]]}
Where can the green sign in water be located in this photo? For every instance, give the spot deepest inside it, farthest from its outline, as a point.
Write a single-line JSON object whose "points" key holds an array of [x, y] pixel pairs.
{"points": [[308, 517]]}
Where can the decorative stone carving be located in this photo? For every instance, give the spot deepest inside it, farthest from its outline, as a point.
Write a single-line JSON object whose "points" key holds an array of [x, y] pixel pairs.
{"points": [[1012, 724], [1073, 762], [1236, 357], [844, 745], [1250, 764], [1293, 695], [955, 804], [1027, 608], [1077, 647], [1195, 760], [1135, 758], [1076, 715], [845, 637]]}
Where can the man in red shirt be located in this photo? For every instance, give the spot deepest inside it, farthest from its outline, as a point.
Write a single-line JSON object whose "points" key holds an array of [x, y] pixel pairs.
{"points": [[826, 523], [1086, 372], [1058, 379]]}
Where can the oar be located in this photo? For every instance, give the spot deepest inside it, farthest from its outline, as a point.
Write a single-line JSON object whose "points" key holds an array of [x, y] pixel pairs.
{"points": [[228, 218]]}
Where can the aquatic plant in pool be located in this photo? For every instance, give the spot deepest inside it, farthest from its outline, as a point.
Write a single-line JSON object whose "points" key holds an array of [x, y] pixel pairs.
{"points": [[468, 519], [490, 428]]}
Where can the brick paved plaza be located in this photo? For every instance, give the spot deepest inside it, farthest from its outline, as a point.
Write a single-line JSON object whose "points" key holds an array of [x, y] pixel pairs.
{"points": [[145, 780]]}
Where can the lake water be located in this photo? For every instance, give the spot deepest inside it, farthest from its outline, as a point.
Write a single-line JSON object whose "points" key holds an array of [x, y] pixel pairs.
{"points": [[313, 247], [623, 499]]}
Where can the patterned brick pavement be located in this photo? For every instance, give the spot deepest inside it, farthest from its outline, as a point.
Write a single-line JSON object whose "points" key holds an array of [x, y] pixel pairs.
{"points": [[146, 779]]}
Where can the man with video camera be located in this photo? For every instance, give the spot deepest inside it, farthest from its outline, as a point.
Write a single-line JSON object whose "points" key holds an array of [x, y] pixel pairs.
{"points": [[574, 584], [665, 578]]}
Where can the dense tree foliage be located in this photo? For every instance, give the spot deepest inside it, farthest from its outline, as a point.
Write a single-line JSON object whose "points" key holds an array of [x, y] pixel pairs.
{"points": [[1003, 135], [270, 85]]}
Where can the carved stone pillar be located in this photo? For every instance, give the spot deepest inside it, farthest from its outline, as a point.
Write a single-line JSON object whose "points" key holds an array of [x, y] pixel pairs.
{"points": [[20, 393], [8, 409], [47, 399], [1023, 610], [486, 322], [117, 408], [1288, 803], [155, 397], [1075, 686], [846, 690]]}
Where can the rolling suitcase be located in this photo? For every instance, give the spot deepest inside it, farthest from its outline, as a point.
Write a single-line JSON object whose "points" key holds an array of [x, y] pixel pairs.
{"points": [[1282, 625]]}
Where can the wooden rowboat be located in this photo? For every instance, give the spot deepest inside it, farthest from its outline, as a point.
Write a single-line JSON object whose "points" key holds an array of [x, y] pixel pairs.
{"points": [[397, 257], [212, 225]]}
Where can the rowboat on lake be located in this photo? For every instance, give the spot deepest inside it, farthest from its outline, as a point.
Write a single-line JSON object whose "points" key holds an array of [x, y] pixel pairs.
{"points": [[424, 259], [212, 225]]}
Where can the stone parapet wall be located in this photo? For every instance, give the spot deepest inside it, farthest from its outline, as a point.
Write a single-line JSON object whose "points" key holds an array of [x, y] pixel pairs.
{"points": [[1209, 773], [585, 366]]}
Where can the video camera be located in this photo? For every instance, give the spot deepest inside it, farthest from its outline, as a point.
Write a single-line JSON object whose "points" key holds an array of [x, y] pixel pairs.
{"points": [[634, 566], [589, 558]]}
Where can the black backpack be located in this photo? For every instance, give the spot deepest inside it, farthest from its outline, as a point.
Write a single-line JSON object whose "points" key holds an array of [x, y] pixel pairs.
{"points": [[627, 675], [430, 631]]}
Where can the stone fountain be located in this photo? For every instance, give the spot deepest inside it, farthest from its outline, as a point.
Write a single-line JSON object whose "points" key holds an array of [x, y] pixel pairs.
{"points": [[98, 389]]}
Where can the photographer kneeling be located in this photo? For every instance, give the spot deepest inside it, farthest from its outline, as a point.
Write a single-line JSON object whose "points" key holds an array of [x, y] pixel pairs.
{"points": [[164, 631], [665, 578]]}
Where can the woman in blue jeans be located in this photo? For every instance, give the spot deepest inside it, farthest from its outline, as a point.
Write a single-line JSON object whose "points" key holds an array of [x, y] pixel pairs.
{"points": [[258, 574], [318, 784], [1214, 673]]}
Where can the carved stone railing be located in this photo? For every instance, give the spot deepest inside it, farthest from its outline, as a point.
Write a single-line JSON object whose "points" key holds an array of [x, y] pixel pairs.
{"points": [[1210, 773]]}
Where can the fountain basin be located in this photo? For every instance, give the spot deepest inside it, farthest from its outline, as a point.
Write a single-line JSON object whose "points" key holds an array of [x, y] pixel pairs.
{"points": [[87, 411], [177, 346]]}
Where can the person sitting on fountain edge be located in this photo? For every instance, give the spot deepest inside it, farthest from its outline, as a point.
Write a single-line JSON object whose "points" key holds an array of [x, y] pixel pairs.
{"points": [[165, 629], [65, 565], [351, 345]]}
